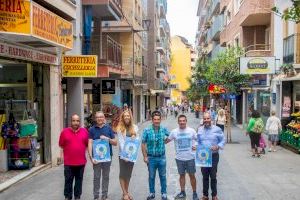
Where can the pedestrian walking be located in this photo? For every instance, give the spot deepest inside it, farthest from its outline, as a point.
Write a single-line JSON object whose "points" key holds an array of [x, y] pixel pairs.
{"points": [[125, 129], [254, 130], [185, 157], [73, 142], [273, 127], [103, 131], [153, 149], [221, 119], [210, 136], [176, 109]]}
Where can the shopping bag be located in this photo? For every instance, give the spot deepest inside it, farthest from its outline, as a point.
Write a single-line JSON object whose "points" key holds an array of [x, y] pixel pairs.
{"points": [[28, 127], [24, 143]]}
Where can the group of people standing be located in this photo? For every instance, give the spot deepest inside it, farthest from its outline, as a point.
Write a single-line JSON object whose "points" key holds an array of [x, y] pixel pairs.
{"points": [[74, 140]]}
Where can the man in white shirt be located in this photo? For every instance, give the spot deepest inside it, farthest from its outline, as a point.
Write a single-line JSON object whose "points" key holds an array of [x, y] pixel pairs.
{"points": [[184, 138]]}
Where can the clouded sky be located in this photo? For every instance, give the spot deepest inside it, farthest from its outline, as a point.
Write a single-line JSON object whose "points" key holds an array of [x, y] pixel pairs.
{"points": [[182, 17]]}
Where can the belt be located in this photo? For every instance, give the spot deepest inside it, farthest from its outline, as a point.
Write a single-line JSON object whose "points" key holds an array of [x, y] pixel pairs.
{"points": [[150, 155]]}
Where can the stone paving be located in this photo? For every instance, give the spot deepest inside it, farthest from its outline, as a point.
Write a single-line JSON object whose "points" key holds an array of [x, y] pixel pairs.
{"points": [[275, 176]]}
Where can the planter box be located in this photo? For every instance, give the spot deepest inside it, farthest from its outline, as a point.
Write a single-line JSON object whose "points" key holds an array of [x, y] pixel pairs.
{"points": [[3, 161]]}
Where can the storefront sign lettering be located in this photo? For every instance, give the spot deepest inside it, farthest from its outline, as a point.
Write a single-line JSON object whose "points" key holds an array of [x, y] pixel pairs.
{"points": [[15, 16], [51, 27], [257, 65], [12, 51], [79, 66]]}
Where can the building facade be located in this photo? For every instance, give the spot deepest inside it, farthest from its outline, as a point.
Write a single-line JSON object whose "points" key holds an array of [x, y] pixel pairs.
{"points": [[32, 45], [159, 54], [181, 68]]}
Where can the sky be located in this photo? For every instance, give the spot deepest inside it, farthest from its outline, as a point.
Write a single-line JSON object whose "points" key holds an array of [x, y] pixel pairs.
{"points": [[182, 17]]}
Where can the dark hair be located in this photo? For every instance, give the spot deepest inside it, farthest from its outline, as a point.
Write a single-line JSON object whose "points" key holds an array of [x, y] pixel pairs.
{"points": [[155, 113], [255, 114], [182, 116]]}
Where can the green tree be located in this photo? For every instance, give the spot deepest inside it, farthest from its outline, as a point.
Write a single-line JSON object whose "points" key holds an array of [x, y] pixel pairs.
{"points": [[292, 13]]}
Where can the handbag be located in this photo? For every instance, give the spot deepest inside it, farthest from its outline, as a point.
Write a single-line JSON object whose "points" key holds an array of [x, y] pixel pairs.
{"points": [[24, 143], [28, 127]]}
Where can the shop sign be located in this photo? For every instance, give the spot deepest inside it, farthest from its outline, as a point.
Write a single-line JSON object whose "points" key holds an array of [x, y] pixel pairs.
{"points": [[108, 86], [257, 65], [49, 26], [15, 16], [126, 85], [12, 51], [79, 66]]}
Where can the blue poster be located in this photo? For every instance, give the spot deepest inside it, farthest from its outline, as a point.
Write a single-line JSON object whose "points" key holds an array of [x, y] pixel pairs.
{"points": [[203, 157], [101, 151], [130, 150]]}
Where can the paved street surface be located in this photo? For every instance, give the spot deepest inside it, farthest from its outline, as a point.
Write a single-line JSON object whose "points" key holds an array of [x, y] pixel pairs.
{"points": [[275, 176]]}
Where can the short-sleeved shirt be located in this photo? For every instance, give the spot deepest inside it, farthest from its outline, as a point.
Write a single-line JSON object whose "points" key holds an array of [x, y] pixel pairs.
{"points": [[74, 146], [155, 140], [184, 140], [95, 132]]}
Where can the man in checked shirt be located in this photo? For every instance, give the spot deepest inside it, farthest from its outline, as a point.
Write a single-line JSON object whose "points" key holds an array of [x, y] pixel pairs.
{"points": [[153, 148]]}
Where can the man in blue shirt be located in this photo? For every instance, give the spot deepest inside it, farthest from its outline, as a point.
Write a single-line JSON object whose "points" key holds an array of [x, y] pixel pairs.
{"points": [[211, 136], [153, 148], [101, 131]]}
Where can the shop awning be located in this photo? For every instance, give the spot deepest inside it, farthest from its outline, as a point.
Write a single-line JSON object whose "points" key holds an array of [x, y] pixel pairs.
{"points": [[283, 77]]}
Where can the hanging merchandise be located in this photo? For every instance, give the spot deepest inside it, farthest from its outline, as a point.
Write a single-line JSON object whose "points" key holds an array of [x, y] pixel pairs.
{"points": [[28, 126], [24, 143], [10, 128]]}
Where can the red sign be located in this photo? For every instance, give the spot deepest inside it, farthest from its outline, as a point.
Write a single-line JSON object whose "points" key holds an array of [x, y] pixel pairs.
{"points": [[216, 89], [103, 72]]}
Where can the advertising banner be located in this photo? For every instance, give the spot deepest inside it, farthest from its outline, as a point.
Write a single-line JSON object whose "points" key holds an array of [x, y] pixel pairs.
{"points": [[79, 66], [203, 157], [257, 65], [130, 150]]}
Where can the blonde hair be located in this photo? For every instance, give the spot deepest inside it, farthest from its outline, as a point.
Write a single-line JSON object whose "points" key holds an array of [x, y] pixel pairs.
{"points": [[221, 112], [122, 127]]}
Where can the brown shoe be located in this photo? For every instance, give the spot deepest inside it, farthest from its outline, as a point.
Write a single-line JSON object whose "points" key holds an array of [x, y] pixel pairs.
{"points": [[215, 198], [204, 198]]}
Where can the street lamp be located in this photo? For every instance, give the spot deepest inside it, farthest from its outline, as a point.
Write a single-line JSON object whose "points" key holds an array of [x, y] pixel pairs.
{"points": [[146, 26]]}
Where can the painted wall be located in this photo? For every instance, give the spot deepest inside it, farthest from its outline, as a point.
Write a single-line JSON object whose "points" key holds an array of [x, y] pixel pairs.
{"points": [[180, 69]]}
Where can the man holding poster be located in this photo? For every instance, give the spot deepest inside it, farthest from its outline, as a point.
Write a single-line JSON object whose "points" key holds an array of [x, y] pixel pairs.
{"points": [[185, 157], [101, 136], [212, 138]]}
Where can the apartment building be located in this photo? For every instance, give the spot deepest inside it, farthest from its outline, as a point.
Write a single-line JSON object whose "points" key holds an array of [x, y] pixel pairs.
{"points": [[159, 54], [183, 60]]}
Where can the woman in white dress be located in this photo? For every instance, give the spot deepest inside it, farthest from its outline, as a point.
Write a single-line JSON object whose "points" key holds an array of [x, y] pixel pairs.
{"points": [[125, 129], [273, 127]]}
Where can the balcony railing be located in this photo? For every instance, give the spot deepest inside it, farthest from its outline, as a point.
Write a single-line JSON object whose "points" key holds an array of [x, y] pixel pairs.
{"points": [[163, 7], [291, 49], [216, 28], [161, 68], [109, 53], [258, 50], [214, 5]]}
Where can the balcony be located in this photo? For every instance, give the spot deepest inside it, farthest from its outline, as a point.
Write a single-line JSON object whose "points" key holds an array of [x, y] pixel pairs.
{"points": [[261, 50], [216, 28], [64, 8], [163, 25], [214, 8], [162, 7], [161, 47], [161, 68], [109, 53], [291, 49], [216, 51], [107, 10]]}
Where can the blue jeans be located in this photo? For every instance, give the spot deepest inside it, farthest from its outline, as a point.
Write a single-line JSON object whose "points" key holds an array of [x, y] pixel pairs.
{"points": [[157, 163]]}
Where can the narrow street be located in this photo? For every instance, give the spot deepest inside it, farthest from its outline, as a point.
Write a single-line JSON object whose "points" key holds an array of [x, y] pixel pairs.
{"points": [[274, 176]]}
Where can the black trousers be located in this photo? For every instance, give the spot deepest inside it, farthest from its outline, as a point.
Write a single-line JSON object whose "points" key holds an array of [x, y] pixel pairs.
{"points": [[72, 172], [210, 172]]}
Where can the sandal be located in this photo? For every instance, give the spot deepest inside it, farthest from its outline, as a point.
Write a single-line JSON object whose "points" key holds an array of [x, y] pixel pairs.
{"points": [[130, 197], [253, 155], [126, 197]]}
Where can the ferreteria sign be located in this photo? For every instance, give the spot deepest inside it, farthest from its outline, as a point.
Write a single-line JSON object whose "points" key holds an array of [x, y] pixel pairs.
{"points": [[28, 19], [79, 66], [257, 65]]}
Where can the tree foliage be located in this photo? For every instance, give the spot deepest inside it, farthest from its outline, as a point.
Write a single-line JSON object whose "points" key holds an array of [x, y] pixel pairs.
{"points": [[223, 71], [292, 13]]}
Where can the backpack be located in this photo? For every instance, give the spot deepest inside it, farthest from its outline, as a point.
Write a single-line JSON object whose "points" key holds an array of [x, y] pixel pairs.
{"points": [[258, 126]]}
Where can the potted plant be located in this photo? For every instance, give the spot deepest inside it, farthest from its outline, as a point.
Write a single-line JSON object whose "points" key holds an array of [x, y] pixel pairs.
{"points": [[288, 69]]}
